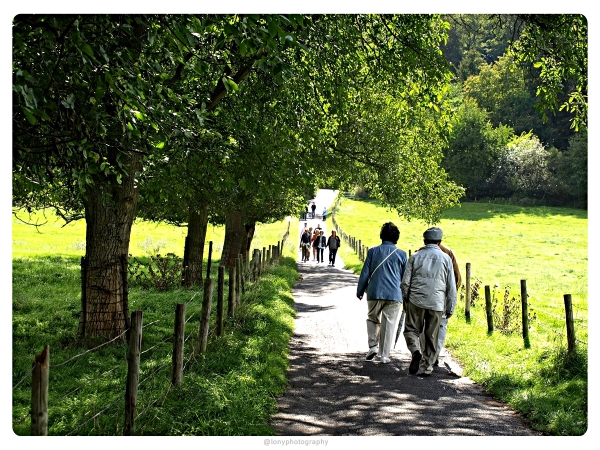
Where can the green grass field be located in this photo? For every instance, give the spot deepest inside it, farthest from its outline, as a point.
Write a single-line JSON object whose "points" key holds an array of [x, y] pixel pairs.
{"points": [[233, 393], [230, 390], [546, 247]]}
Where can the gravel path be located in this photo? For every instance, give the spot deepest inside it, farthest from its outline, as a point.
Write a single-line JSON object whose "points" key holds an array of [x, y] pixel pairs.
{"points": [[333, 391]]}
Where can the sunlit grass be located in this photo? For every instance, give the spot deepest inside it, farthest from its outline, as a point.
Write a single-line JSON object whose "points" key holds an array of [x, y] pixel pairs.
{"points": [[546, 247], [230, 390]]}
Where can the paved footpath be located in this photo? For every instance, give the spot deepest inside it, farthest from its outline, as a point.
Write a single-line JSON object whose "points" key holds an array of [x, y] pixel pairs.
{"points": [[333, 391]]}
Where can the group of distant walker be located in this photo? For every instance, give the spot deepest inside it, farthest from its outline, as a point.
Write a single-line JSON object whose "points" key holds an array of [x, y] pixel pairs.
{"points": [[312, 214], [318, 242]]}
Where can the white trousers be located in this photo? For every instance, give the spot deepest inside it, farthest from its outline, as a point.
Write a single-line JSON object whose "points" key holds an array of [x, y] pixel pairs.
{"points": [[382, 321]]}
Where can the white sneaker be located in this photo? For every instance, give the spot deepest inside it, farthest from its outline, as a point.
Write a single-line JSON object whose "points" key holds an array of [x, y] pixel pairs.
{"points": [[372, 352], [384, 360]]}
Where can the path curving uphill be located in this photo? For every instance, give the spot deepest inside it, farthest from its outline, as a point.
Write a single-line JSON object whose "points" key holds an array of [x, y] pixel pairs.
{"points": [[333, 391]]}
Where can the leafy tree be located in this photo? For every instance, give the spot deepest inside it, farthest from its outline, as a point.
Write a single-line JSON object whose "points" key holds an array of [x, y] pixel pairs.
{"points": [[555, 46], [525, 167], [96, 95], [473, 148], [570, 169]]}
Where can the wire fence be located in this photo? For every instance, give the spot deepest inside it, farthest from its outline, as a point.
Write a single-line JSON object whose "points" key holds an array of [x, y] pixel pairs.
{"points": [[559, 326], [150, 367]]}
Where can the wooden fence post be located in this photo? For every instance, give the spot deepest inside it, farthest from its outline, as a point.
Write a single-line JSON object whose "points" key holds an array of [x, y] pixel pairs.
{"points": [[524, 315], [178, 344], [231, 299], [209, 286], [220, 299], [39, 393], [133, 371], [238, 282], [468, 292], [242, 274], [488, 310], [208, 264], [570, 324], [264, 258]]}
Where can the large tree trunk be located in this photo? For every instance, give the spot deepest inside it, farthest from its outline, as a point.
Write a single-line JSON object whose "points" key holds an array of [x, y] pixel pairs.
{"points": [[194, 246], [234, 234], [109, 213]]}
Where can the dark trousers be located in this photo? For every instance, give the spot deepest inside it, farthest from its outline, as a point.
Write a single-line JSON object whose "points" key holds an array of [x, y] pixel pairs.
{"points": [[320, 252], [422, 321], [332, 253]]}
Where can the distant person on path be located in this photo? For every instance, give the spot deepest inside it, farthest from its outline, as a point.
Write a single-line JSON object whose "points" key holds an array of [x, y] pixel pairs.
{"points": [[324, 214], [322, 243], [304, 229], [333, 242], [380, 277], [315, 242], [429, 291], [313, 207], [305, 245], [444, 321]]}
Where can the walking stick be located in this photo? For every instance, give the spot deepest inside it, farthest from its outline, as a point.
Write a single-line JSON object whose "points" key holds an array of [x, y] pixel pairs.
{"points": [[400, 325]]}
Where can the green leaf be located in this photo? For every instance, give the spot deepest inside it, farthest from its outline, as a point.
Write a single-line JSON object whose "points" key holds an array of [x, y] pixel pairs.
{"points": [[30, 116], [85, 48]]}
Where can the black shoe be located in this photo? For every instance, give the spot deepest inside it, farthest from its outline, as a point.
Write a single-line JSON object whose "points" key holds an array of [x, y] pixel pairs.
{"points": [[436, 363], [414, 362]]}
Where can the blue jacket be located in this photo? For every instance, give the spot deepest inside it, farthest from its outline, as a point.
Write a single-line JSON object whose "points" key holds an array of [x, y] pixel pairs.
{"points": [[385, 281]]}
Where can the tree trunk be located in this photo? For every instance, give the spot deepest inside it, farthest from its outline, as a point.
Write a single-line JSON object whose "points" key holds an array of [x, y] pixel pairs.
{"points": [[109, 214], [234, 233], [247, 240], [194, 246]]}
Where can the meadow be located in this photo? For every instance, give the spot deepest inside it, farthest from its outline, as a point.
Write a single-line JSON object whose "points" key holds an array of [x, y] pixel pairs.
{"points": [[232, 389], [504, 244]]}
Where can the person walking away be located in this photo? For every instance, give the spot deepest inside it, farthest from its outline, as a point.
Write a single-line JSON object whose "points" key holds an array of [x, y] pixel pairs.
{"points": [[444, 320], [305, 245], [380, 278], [429, 290], [333, 242], [315, 243], [313, 207], [324, 214], [321, 246]]}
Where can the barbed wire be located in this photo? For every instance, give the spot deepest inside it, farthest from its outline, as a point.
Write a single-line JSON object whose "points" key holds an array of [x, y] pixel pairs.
{"points": [[53, 366], [88, 383], [27, 375], [120, 398]]}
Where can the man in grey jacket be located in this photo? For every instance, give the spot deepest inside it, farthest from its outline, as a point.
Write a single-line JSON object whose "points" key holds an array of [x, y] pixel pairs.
{"points": [[429, 290], [380, 278]]}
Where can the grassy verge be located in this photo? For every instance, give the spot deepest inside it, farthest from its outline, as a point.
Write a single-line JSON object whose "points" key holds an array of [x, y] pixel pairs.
{"points": [[505, 244], [229, 390]]}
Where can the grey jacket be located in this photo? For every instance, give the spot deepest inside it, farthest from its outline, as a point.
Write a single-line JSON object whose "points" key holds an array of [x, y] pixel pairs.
{"points": [[385, 280], [428, 281]]}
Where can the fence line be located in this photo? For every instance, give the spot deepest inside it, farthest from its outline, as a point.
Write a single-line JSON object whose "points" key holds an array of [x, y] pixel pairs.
{"points": [[569, 322], [133, 382]]}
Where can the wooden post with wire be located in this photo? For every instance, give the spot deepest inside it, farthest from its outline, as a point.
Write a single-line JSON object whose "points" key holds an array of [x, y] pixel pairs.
{"points": [[220, 299], [133, 371], [39, 393], [178, 344], [488, 310], [209, 286], [570, 324], [524, 313], [468, 292]]}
